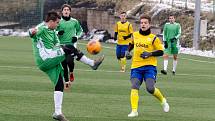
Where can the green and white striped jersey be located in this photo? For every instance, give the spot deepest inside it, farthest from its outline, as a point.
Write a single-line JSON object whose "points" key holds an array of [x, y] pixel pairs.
{"points": [[47, 52]]}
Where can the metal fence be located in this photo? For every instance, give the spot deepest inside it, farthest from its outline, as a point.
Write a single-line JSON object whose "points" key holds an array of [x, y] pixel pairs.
{"points": [[21, 14]]}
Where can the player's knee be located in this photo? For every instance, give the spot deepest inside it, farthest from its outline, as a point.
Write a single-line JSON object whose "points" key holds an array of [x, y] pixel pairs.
{"points": [[120, 56], [79, 55], [150, 85], [175, 57], [165, 56], [150, 89], [135, 83]]}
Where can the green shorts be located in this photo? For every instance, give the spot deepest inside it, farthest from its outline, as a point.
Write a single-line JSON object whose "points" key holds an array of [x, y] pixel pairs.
{"points": [[49, 61], [53, 68], [172, 49]]}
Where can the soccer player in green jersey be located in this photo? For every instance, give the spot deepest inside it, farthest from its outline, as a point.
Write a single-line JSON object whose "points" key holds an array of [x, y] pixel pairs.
{"points": [[49, 54], [69, 32], [171, 35]]}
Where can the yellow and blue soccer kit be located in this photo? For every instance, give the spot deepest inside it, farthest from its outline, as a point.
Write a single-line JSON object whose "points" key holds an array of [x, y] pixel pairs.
{"points": [[144, 68], [124, 31]]}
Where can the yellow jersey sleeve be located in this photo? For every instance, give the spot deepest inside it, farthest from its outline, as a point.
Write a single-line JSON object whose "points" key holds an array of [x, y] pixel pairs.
{"points": [[157, 44], [131, 29]]}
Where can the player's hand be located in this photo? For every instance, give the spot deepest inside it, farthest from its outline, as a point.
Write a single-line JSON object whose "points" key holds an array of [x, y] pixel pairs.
{"points": [[128, 55], [165, 44], [61, 32], [32, 32], [67, 85], [125, 37], [74, 39], [145, 55], [172, 40]]}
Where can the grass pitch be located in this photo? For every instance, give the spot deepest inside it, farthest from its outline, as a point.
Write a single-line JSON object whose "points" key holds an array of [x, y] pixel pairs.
{"points": [[26, 94]]}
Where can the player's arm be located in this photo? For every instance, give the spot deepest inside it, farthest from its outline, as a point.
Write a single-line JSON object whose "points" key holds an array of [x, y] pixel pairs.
{"points": [[130, 48], [79, 30], [115, 32], [130, 31], [175, 38], [33, 32], [158, 49], [126, 37], [179, 31], [164, 37], [57, 40], [164, 33], [60, 31]]}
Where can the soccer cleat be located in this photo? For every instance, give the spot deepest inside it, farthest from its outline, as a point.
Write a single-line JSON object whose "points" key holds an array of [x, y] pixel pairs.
{"points": [[97, 62], [133, 114], [173, 73], [164, 72], [71, 77], [165, 106], [60, 117]]}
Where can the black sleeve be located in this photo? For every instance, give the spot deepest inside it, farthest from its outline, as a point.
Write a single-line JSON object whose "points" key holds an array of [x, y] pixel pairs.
{"points": [[130, 47], [129, 36], [115, 35], [157, 53]]}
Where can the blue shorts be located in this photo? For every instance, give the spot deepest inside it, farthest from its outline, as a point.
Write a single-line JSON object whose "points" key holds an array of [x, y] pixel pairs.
{"points": [[144, 72], [120, 51]]}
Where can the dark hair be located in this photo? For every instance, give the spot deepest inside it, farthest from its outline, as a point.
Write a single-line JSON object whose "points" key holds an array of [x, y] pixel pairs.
{"points": [[66, 5], [172, 15], [123, 12], [52, 15], [146, 17]]}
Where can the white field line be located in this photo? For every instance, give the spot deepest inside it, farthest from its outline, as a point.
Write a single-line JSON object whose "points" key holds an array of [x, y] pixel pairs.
{"points": [[106, 71]]}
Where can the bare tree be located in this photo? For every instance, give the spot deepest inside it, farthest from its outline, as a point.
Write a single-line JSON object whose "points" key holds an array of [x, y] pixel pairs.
{"points": [[186, 4], [172, 2]]}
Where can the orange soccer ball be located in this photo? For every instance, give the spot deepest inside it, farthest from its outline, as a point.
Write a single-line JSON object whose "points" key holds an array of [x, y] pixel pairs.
{"points": [[94, 47]]}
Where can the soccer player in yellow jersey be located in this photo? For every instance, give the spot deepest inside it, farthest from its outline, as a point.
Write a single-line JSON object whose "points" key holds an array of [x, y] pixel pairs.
{"points": [[146, 48], [123, 31]]}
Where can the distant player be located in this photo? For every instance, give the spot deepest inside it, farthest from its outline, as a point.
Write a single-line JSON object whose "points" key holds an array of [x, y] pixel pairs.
{"points": [[49, 54], [144, 62], [171, 35], [69, 32], [123, 32]]}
